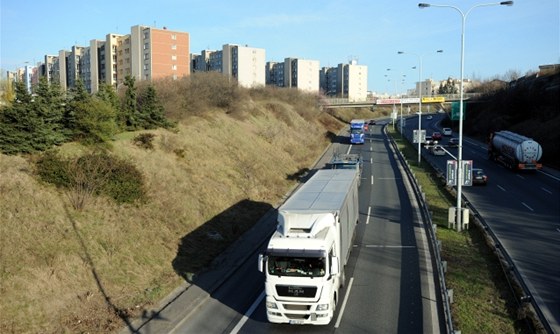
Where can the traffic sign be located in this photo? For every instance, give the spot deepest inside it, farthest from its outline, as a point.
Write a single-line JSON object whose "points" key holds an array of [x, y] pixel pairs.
{"points": [[455, 106], [452, 175], [422, 136]]}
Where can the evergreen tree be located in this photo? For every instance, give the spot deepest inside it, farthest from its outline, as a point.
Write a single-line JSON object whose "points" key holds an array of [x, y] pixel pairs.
{"points": [[77, 97], [108, 94], [128, 117], [152, 113], [30, 124], [95, 121], [78, 92], [22, 95]]}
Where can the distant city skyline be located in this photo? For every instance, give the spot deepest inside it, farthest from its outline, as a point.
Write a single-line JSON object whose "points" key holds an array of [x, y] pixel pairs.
{"points": [[499, 40]]}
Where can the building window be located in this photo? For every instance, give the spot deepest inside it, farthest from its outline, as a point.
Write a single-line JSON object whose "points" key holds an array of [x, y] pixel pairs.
{"points": [[173, 47], [173, 37], [174, 67], [173, 57]]}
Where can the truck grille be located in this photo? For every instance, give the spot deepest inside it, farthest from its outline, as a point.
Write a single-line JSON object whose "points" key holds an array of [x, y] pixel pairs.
{"points": [[296, 307], [296, 291]]}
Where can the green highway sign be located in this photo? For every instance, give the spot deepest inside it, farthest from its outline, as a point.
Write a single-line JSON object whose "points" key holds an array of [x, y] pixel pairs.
{"points": [[455, 111]]}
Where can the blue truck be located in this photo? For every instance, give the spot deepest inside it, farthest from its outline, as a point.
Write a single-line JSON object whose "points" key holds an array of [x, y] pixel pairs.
{"points": [[357, 129]]}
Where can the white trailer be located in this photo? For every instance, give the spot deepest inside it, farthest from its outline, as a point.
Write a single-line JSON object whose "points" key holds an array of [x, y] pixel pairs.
{"points": [[306, 256]]}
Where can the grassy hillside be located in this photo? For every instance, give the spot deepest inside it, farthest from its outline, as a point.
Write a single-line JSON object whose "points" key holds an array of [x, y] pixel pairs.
{"points": [[207, 181]]}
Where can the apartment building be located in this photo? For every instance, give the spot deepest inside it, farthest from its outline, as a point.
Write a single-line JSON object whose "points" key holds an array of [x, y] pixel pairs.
{"points": [[45, 69], [301, 74], [328, 81], [245, 64], [146, 53], [345, 81], [152, 53], [274, 74], [354, 81]]}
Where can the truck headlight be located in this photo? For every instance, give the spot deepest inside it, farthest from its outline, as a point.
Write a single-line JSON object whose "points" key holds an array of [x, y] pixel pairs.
{"points": [[322, 307], [271, 305]]}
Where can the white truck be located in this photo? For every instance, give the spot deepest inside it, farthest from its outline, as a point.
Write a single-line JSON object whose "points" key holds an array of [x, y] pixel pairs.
{"points": [[347, 161], [514, 150], [306, 256]]}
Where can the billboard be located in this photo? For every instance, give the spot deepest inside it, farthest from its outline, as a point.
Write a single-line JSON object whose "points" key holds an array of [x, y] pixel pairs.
{"points": [[433, 99]]}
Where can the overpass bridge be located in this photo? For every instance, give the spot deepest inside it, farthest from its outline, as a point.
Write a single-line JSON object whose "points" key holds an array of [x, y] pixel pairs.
{"points": [[346, 103]]}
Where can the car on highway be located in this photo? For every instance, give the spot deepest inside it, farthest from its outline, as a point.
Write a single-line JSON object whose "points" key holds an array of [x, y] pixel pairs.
{"points": [[453, 142], [447, 132], [429, 142], [479, 177], [437, 150], [436, 136]]}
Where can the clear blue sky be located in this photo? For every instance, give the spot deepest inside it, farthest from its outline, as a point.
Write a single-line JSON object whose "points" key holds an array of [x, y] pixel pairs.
{"points": [[498, 40]]}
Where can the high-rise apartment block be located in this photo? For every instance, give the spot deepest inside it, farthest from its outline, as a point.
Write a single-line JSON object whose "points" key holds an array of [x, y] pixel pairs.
{"points": [[297, 73], [302, 74], [146, 53], [149, 53], [243, 63], [345, 81]]}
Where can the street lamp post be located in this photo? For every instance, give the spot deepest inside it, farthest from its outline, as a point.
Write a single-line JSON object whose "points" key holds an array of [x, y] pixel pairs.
{"points": [[460, 148], [393, 98], [401, 119], [419, 98]]}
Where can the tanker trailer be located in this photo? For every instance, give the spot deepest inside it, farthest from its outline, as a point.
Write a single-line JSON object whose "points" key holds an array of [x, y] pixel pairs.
{"points": [[514, 150]]}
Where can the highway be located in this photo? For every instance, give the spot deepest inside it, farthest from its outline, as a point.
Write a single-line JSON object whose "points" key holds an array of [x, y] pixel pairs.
{"points": [[390, 281], [522, 210]]}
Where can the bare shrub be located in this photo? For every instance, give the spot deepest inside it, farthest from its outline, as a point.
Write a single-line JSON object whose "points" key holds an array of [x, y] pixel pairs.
{"points": [[145, 140], [87, 174]]}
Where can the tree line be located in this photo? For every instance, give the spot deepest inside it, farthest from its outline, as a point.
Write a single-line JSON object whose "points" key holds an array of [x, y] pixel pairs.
{"points": [[50, 117]]}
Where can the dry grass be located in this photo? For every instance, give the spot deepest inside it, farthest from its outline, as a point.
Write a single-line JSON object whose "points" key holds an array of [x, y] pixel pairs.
{"points": [[87, 271]]}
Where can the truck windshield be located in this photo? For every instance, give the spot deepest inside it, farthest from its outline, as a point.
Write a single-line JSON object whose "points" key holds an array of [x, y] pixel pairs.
{"points": [[344, 166], [296, 266]]}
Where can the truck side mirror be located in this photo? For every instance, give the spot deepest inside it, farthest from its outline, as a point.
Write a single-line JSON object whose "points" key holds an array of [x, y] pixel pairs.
{"points": [[335, 265], [261, 262]]}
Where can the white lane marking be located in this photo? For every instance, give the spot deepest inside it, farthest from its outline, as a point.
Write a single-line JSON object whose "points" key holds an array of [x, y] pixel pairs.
{"points": [[368, 213], [501, 188], [343, 306], [546, 190], [247, 314], [372, 180], [349, 148], [388, 246], [519, 176], [528, 207]]}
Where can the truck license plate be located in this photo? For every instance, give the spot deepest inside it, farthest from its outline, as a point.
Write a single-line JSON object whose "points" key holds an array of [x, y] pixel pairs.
{"points": [[296, 322]]}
